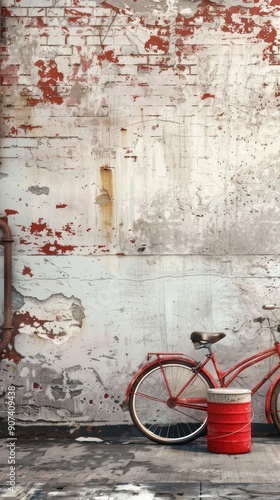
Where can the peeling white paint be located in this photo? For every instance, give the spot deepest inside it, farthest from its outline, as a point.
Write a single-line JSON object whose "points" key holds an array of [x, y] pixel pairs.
{"points": [[59, 318], [24, 372], [150, 8]]}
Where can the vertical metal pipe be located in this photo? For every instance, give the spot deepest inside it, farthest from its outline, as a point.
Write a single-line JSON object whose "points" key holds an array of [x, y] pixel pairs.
{"points": [[7, 327]]}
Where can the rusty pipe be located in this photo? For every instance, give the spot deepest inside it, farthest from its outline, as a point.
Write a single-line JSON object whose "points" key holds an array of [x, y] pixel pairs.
{"points": [[7, 327]]}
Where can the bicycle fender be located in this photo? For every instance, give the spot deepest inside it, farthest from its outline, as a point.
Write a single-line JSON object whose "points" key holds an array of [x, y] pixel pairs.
{"points": [[156, 362], [268, 399]]}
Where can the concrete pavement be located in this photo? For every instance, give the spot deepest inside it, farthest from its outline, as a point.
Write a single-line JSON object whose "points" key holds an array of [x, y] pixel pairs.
{"points": [[126, 468]]}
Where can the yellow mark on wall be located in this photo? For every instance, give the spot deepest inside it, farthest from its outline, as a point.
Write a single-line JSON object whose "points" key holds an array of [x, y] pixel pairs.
{"points": [[105, 199]]}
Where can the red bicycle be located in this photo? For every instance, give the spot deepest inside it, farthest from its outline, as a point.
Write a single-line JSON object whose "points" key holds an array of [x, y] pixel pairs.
{"points": [[167, 398]]}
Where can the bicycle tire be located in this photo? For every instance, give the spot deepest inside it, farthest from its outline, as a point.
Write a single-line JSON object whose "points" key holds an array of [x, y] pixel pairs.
{"points": [[148, 403], [275, 406]]}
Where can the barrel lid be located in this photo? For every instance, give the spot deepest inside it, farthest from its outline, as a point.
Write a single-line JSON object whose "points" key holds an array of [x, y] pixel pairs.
{"points": [[227, 390]]}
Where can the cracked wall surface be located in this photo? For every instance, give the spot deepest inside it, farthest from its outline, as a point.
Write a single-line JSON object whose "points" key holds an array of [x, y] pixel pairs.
{"points": [[140, 178]]}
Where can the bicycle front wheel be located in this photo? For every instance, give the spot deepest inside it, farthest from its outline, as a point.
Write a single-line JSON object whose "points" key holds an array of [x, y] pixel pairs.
{"points": [[153, 411], [275, 406]]}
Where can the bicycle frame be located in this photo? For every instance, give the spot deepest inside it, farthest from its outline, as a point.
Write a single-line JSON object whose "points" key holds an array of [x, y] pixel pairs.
{"points": [[245, 363], [232, 373]]}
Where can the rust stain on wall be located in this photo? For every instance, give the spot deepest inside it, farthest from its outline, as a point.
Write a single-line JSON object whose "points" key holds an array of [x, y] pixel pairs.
{"points": [[105, 199]]}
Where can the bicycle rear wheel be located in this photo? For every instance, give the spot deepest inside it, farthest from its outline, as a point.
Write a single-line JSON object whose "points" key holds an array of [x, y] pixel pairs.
{"points": [[150, 408], [275, 406]]}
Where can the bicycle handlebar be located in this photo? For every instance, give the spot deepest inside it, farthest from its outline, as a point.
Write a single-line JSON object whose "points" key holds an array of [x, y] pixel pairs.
{"points": [[269, 307]]}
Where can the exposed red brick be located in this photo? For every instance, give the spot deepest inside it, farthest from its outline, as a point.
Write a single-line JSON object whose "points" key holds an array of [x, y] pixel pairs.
{"points": [[158, 44], [5, 12], [108, 56], [48, 83]]}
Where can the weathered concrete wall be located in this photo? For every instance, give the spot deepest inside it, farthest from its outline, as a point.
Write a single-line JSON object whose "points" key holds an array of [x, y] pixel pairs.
{"points": [[140, 178]]}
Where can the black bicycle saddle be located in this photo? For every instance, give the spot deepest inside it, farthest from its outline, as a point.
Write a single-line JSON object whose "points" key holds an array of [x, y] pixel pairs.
{"points": [[206, 337]]}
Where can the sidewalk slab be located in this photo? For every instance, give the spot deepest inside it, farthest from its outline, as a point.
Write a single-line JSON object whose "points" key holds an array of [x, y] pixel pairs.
{"points": [[165, 491], [139, 469]]}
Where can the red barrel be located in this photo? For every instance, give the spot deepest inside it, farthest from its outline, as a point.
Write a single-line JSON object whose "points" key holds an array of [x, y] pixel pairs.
{"points": [[229, 420]]}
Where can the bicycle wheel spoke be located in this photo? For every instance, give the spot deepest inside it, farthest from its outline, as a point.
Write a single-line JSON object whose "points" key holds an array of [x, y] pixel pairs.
{"points": [[151, 398], [153, 407], [186, 414]]}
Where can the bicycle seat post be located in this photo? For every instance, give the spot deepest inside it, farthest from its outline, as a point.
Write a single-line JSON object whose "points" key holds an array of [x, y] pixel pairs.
{"points": [[209, 349]]}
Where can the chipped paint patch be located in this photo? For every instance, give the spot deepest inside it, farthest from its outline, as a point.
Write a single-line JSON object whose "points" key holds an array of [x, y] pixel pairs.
{"points": [[61, 205], [56, 248], [27, 271], [48, 83], [10, 211], [56, 319], [39, 190], [65, 386], [47, 239]]}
